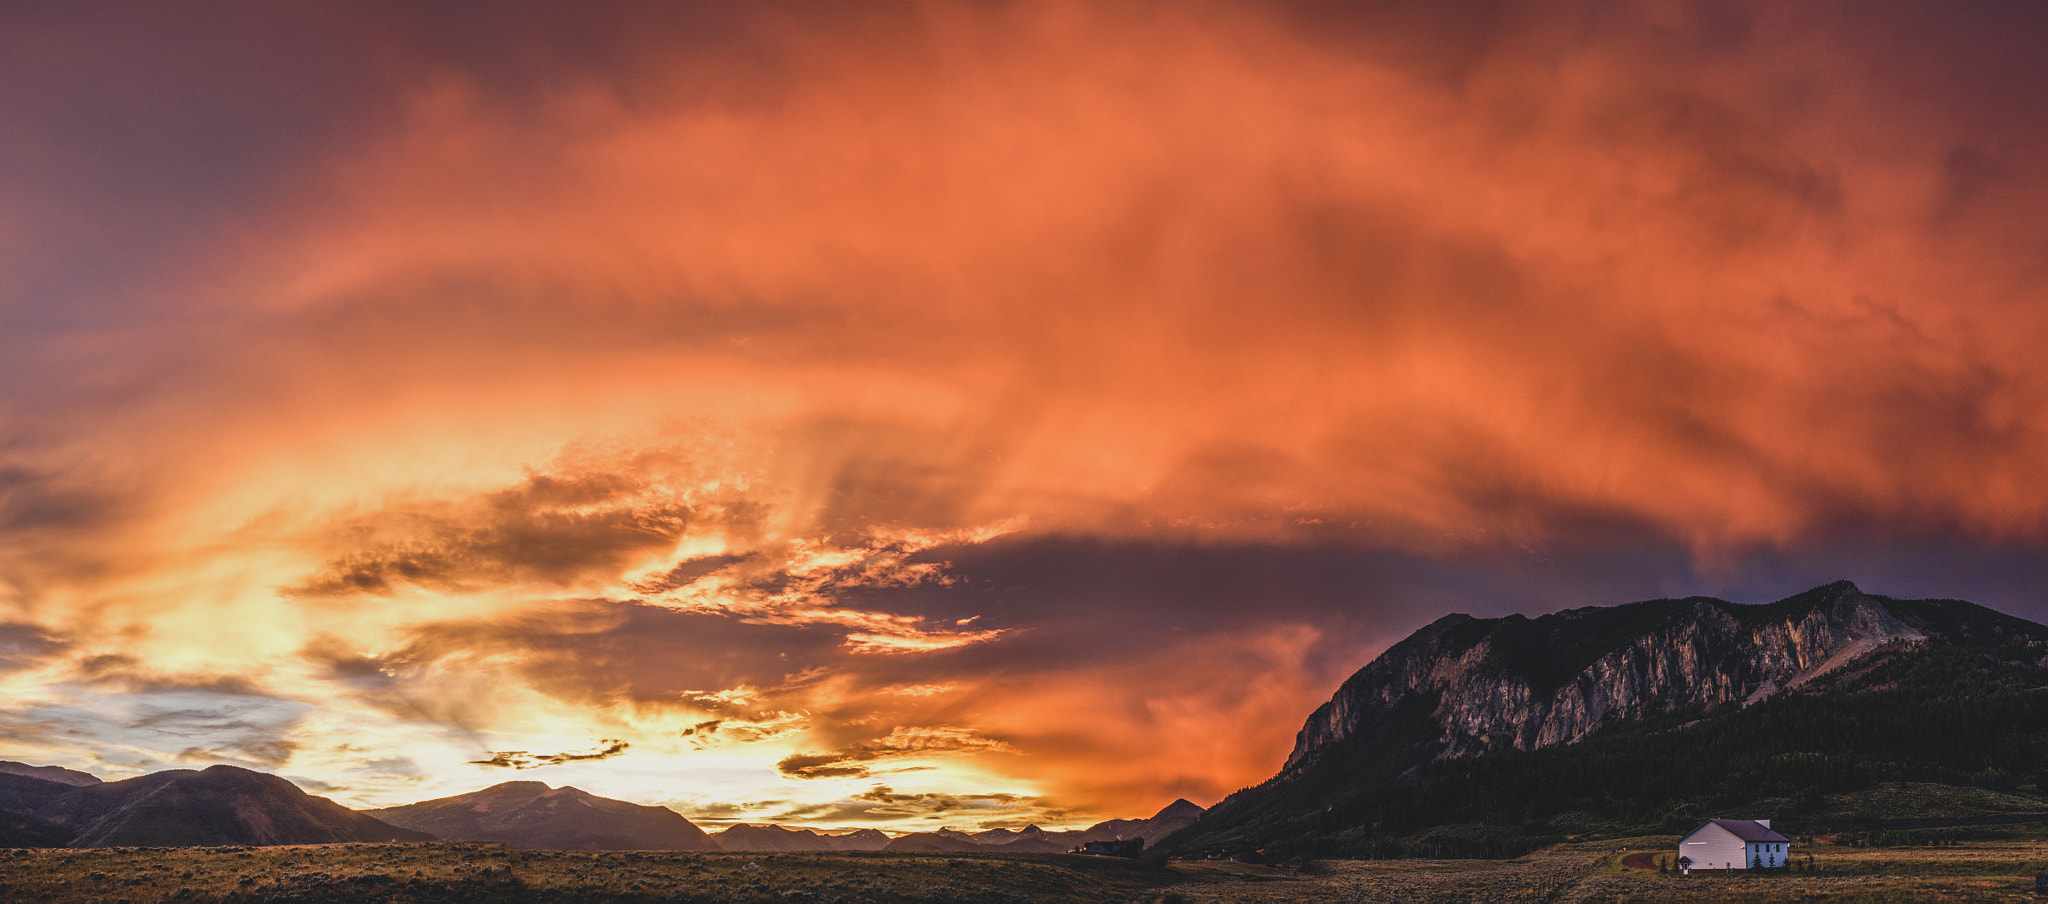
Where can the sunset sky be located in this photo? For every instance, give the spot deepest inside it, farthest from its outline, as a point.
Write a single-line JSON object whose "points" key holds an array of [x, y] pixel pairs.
{"points": [[913, 414]]}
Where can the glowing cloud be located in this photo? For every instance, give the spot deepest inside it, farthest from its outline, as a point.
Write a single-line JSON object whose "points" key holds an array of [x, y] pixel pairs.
{"points": [[1042, 404]]}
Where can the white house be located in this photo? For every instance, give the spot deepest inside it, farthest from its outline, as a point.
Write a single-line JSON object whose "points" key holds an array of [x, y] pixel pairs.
{"points": [[1732, 844]]}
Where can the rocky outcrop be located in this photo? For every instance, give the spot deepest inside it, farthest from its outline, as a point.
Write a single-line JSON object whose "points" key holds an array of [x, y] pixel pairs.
{"points": [[1524, 683]]}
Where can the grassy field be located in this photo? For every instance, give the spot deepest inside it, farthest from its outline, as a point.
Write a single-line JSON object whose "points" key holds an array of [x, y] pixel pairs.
{"points": [[1591, 871]]}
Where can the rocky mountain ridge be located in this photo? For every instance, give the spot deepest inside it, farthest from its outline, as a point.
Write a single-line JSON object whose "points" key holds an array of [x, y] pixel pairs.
{"points": [[1520, 683], [1481, 737]]}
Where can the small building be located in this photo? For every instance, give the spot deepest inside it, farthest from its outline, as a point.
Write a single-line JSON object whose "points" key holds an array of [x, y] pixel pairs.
{"points": [[1732, 844], [1122, 847]]}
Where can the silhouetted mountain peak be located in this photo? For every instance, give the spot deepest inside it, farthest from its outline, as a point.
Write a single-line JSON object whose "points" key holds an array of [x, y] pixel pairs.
{"points": [[531, 815], [214, 806]]}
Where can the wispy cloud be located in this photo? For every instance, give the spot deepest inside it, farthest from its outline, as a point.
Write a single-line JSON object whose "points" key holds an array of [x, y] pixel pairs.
{"points": [[804, 583], [520, 759], [902, 743]]}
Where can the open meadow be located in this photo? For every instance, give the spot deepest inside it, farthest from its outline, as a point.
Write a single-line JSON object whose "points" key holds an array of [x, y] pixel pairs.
{"points": [[2000, 870]]}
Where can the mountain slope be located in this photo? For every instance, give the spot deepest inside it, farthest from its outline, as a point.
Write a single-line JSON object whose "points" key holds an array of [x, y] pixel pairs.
{"points": [[23, 794], [20, 796], [533, 816], [56, 774], [1512, 721], [1170, 819], [215, 806]]}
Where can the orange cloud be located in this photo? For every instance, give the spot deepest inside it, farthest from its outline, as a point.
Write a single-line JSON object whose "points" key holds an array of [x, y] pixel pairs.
{"points": [[657, 388]]}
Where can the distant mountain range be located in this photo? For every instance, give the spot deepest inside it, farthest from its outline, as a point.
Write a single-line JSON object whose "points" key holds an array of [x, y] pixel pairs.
{"points": [[1486, 736], [1033, 840], [42, 806], [532, 815], [745, 837]]}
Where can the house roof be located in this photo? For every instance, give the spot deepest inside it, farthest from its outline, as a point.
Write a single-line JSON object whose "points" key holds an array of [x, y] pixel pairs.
{"points": [[1745, 829]]}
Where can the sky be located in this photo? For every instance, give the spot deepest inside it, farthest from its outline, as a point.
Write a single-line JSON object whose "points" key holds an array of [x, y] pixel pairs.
{"points": [[919, 414]]}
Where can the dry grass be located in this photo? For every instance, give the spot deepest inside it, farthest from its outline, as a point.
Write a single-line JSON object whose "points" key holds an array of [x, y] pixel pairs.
{"points": [[1978, 871], [1921, 800], [478, 872]]}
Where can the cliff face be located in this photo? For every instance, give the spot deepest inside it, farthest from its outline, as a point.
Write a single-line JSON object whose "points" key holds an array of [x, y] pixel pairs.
{"points": [[1524, 683]]}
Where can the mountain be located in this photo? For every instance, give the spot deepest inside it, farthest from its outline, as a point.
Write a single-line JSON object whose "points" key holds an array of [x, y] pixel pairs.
{"points": [[1114, 830], [1500, 726], [858, 840], [782, 838], [56, 774], [24, 794], [934, 843], [533, 816], [770, 838], [1029, 840], [1172, 818], [20, 796], [218, 805]]}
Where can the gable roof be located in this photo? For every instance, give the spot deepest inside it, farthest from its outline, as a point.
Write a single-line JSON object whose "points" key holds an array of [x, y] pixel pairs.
{"points": [[1748, 830]]}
